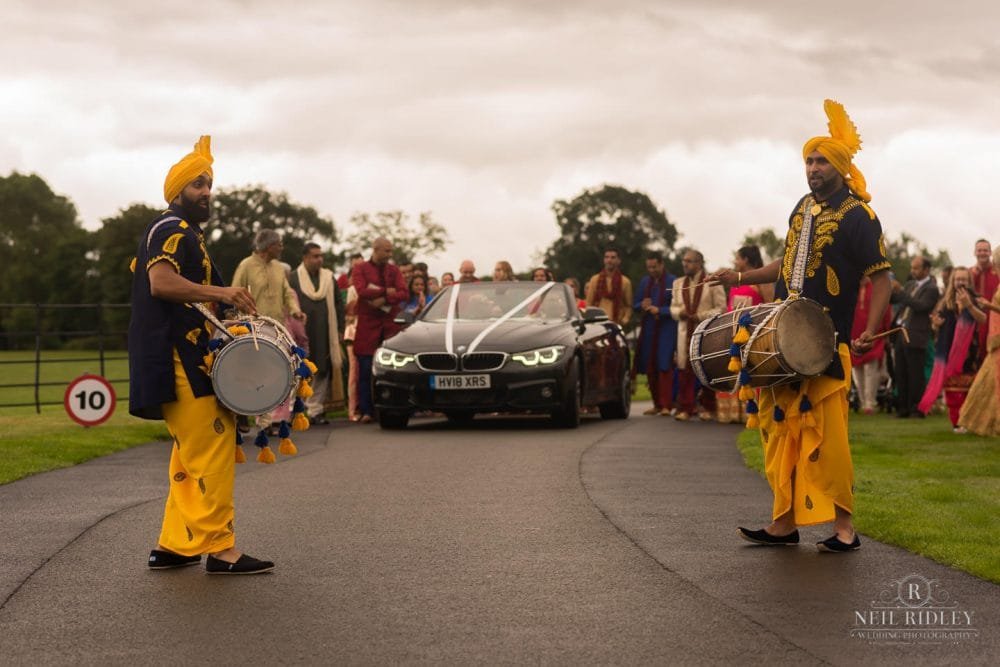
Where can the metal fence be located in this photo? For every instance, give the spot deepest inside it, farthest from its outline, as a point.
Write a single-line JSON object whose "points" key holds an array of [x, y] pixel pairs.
{"points": [[48, 327]]}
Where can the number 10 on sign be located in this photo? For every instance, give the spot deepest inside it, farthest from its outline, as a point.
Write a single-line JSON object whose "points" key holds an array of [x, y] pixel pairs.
{"points": [[89, 400]]}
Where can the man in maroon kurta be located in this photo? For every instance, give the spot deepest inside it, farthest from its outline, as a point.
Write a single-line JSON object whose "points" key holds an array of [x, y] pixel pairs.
{"points": [[985, 281], [381, 290]]}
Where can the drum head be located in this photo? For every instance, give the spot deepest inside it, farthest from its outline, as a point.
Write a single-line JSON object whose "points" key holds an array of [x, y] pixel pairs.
{"points": [[806, 337], [249, 380]]}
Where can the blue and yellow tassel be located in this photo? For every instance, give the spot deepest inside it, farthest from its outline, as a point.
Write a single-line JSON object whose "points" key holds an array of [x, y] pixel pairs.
{"points": [[743, 329], [241, 456], [753, 421], [286, 446], [734, 359], [265, 455]]}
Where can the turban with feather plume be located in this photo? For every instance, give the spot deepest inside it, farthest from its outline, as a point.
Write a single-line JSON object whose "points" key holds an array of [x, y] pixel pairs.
{"points": [[839, 148]]}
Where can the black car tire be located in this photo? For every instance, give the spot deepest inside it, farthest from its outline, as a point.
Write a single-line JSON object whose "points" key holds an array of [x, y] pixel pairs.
{"points": [[460, 417], [568, 416], [620, 408], [393, 421]]}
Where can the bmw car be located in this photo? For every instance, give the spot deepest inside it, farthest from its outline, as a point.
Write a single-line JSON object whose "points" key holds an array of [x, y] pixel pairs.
{"points": [[503, 347]]}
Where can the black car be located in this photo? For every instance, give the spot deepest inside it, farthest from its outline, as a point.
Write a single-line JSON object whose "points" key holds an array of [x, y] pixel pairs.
{"points": [[503, 347]]}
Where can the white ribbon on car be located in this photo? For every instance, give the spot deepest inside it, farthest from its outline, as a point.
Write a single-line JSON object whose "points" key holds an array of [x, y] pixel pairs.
{"points": [[449, 324], [506, 316]]}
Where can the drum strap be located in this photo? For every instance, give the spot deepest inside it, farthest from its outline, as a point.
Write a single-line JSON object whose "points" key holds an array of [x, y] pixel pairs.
{"points": [[798, 277], [200, 307]]}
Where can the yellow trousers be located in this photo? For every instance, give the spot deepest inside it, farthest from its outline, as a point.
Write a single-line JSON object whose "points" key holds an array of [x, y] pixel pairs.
{"points": [[807, 456], [198, 517]]}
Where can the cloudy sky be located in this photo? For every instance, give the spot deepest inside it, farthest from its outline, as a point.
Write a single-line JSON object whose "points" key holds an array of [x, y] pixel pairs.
{"points": [[485, 112]]}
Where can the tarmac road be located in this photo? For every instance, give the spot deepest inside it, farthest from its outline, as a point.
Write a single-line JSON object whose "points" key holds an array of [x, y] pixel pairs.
{"points": [[503, 542]]}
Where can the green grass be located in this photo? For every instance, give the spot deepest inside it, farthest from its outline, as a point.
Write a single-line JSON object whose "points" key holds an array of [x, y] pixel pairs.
{"points": [[641, 389], [921, 487], [31, 443]]}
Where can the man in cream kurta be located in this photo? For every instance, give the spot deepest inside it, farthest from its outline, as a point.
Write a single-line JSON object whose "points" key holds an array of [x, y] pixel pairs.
{"points": [[692, 302], [316, 289], [264, 276]]}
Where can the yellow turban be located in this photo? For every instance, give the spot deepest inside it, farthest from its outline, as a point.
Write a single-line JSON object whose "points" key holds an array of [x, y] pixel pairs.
{"points": [[191, 166], [839, 148]]}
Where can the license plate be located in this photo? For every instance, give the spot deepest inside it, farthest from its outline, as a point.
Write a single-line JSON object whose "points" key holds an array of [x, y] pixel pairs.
{"points": [[460, 381]]}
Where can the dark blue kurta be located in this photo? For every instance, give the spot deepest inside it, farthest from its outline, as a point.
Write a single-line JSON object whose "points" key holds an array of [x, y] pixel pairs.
{"points": [[847, 244], [662, 340], [158, 326]]}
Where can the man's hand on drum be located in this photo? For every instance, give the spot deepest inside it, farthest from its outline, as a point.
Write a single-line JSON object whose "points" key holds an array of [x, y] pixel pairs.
{"points": [[863, 343], [725, 277], [239, 297]]}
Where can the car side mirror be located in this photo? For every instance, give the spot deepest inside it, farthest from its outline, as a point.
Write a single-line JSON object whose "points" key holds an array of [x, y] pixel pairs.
{"points": [[406, 317], [593, 314]]}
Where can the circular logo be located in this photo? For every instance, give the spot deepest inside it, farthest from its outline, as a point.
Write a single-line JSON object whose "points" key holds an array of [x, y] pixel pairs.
{"points": [[180, 477], [915, 591], [89, 400], [219, 428]]}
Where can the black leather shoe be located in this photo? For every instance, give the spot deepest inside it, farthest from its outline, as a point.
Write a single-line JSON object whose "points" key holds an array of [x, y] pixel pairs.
{"points": [[245, 565], [767, 539], [165, 560], [834, 545]]}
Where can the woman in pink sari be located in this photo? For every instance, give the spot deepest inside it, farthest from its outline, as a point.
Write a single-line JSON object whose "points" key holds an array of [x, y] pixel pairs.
{"points": [[980, 413], [956, 350]]}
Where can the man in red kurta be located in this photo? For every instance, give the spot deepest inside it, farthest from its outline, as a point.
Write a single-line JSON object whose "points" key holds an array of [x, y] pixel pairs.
{"points": [[985, 281], [381, 290]]}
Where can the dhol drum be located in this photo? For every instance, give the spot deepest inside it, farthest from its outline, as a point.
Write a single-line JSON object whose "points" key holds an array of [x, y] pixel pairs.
{"points": [[254, 372], [789, 341]]}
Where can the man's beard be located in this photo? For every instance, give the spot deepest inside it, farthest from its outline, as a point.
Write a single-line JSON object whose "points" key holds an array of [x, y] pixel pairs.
{"points": [[193, 211]]}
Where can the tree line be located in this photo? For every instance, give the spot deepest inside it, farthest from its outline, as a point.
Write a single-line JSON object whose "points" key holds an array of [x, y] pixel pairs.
{"points": [[48, 257]]}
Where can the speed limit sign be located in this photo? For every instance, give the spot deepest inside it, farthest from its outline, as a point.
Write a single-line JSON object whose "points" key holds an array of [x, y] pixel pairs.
{"points": [[89, 400]]}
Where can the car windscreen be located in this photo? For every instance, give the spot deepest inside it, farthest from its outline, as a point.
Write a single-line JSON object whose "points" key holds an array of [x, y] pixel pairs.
{"points": [[543, 302]]}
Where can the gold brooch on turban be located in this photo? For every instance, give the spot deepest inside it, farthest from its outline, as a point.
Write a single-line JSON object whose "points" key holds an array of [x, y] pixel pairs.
{"points": [[840, 147], [191, 166]]}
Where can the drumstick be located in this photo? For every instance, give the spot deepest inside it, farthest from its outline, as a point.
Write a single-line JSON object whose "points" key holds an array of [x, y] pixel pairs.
{"points": [[703, 282], [253, 329], [906, 336]]}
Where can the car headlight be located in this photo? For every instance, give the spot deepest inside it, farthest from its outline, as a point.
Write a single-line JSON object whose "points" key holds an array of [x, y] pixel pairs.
{"points": [[392, 359], [542, 356]]}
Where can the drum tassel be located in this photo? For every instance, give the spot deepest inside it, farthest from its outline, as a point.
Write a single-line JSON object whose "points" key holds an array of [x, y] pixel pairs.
{"points": [[753, 421], [265, 455], [241, 456], [286, 446]]}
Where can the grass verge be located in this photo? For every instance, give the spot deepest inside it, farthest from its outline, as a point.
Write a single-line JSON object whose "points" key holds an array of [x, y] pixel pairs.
{"points": [[31, 443], [921, 487]]}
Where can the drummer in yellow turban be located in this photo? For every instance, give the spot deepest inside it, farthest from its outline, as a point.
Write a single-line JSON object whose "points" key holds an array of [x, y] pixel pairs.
{"points": [[168, 341], [834, 239]]}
